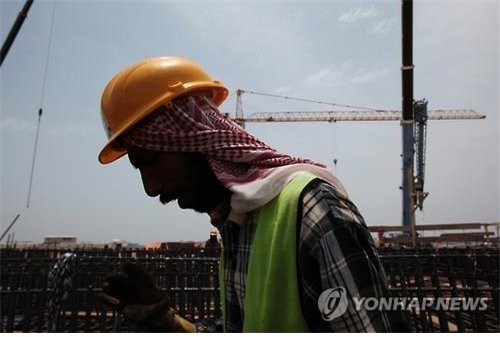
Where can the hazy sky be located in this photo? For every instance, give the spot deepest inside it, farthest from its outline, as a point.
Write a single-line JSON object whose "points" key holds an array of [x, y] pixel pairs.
{"points": [[345, 52]]}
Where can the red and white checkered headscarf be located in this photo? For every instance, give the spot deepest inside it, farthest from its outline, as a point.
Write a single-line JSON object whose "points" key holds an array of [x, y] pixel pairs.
{"points": [[242, 163]]}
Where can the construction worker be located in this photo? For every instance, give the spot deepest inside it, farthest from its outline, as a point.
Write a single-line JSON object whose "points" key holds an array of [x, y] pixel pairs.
{"points": [[296, 251], [212, 241]]}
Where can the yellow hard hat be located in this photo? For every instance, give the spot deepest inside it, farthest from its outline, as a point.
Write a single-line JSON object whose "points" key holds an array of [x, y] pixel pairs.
{"points": [[143, 87]]}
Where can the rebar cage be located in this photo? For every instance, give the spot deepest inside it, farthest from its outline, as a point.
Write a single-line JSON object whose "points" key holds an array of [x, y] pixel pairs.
{"points": [[190, 277]]}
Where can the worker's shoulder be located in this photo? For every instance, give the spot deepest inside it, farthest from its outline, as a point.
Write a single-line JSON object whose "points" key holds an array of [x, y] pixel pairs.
{"points": [[325, 207], [318, 190]]}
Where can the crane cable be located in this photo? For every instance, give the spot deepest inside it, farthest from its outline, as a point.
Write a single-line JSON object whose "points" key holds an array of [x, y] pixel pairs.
{"points": [[34, 157], [40, 110], [310, 100]]}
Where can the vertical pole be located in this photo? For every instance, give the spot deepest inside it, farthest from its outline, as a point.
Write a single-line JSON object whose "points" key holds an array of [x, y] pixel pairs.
{"points": [[408, 120], [23, 14]]}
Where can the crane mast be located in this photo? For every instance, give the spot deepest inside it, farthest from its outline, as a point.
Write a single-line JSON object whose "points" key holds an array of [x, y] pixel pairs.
{"points": [[407, 123], [420, 135]]}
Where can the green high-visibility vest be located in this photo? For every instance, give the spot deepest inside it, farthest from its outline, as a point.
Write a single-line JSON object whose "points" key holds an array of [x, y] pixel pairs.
{"points": [[272, 302]]}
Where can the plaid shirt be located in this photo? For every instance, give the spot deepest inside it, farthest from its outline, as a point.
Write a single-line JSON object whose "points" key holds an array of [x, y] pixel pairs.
{"points": [[334, 249]]}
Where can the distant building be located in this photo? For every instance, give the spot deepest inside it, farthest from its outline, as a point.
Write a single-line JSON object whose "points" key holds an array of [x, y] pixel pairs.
{"points": [[20, 245], [60, 241], [154, 245], [122, 244]]}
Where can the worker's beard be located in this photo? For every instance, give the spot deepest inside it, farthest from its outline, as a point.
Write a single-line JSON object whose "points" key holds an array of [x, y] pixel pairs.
{"points": [[166, 198], [205, 192]]}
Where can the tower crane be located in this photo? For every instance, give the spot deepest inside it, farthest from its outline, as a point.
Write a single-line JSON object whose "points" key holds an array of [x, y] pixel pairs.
{"points": [[415, 157], [413, 119]]}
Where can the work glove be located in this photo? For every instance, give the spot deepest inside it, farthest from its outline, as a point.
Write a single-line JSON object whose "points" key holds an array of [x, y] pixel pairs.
{"points": [[143, 305]]}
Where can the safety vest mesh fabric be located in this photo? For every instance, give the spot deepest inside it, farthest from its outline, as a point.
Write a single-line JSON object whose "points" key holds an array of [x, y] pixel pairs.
{"points": [[272, 302]]}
